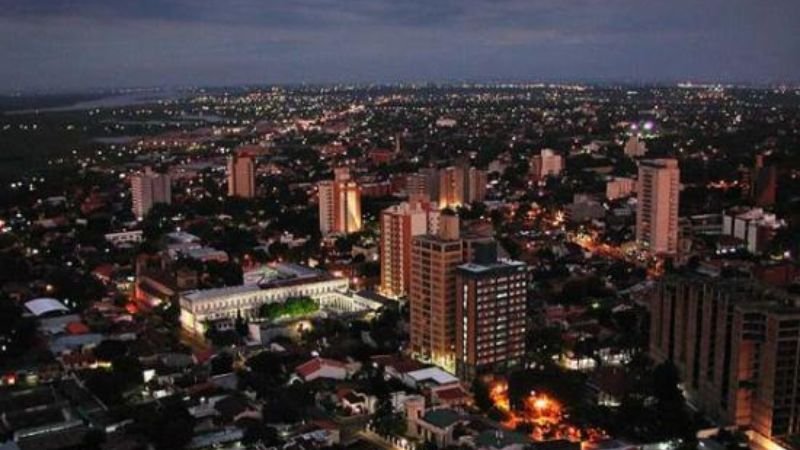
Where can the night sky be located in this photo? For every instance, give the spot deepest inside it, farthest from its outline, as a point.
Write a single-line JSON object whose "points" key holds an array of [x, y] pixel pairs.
{"points": [[78, 44]]}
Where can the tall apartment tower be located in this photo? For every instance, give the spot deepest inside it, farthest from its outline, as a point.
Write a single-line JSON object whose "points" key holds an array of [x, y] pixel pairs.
{"points": [[399, 224], [241, 175], [339, 204], [417, 185], [432, 293], [657, 208], [546, 163], [491, 305], [147, 189], [736, 345], [475, 185], [765, 182], [451, 187]]}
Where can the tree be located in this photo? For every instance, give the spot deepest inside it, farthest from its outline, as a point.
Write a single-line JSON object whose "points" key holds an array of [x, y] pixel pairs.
{"points": [[173, 429], [481, 393], [386, 421]]}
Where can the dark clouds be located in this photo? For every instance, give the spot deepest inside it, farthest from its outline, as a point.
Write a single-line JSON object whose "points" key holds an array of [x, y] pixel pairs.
{"points": [[65, 44]]}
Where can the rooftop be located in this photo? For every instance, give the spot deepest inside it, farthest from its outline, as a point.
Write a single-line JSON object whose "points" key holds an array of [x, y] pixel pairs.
{"points": [[434, 374], [442, 418]]}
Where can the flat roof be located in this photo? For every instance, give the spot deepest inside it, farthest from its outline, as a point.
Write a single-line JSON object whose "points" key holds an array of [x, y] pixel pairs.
{"points": [[500, 265], [205, 294], [45, 305], [434, 374]]}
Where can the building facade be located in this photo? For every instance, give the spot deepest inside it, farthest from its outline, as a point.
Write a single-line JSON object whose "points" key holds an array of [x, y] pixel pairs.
{"points": [[339, 204], [736, 345], [432, 293], [491, 310], [657, 207], [451, 187], [754, 227], [147, 189], [546, 163], [399, 224], [202, 306], [241, 176]]}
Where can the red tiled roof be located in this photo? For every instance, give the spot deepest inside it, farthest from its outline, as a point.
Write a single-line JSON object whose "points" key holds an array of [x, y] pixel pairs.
{"points": [[77, 328], [313, 365]]}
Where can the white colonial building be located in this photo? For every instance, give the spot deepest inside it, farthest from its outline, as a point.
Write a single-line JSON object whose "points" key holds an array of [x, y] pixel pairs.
{"points": [[289, 281]]}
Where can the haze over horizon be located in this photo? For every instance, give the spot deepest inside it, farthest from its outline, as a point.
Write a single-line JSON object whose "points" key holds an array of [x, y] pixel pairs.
{"points": [[76, 45]]}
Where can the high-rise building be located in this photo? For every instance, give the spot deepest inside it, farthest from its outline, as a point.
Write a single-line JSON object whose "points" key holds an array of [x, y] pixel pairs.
{"points": [[147, 189], [753, 226], [491, 305], [339, 204], [657, 207], [451, 187], [432, 293], [736, 345], [399, 224], [416, 184], [546, 163], [241, 175], [475, 185], [765, 182]]}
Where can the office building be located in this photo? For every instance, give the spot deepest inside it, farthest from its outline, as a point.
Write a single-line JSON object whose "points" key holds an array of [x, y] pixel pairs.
{"points": [[657, 207], [491, 299], [147, 189], [736, 345], [432, 293], [339, 204], [399, 224], [241, 175]]}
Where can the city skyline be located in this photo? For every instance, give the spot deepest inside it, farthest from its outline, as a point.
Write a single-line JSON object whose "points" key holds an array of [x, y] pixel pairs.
{"points": [[75, 46]]}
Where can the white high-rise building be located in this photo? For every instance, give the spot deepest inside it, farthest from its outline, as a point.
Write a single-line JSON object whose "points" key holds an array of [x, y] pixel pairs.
{"points": [[147, 189]]}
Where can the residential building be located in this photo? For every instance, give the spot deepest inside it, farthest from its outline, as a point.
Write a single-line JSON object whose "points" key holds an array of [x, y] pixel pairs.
{"points": [[241, 175], [339, 204], [432, 291], [736, 345], [765, 182], [490, 314], [546, 163], [657, 206], [752, 226], [399, 224], [619, 187], [147, 189], [451, 187]]}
